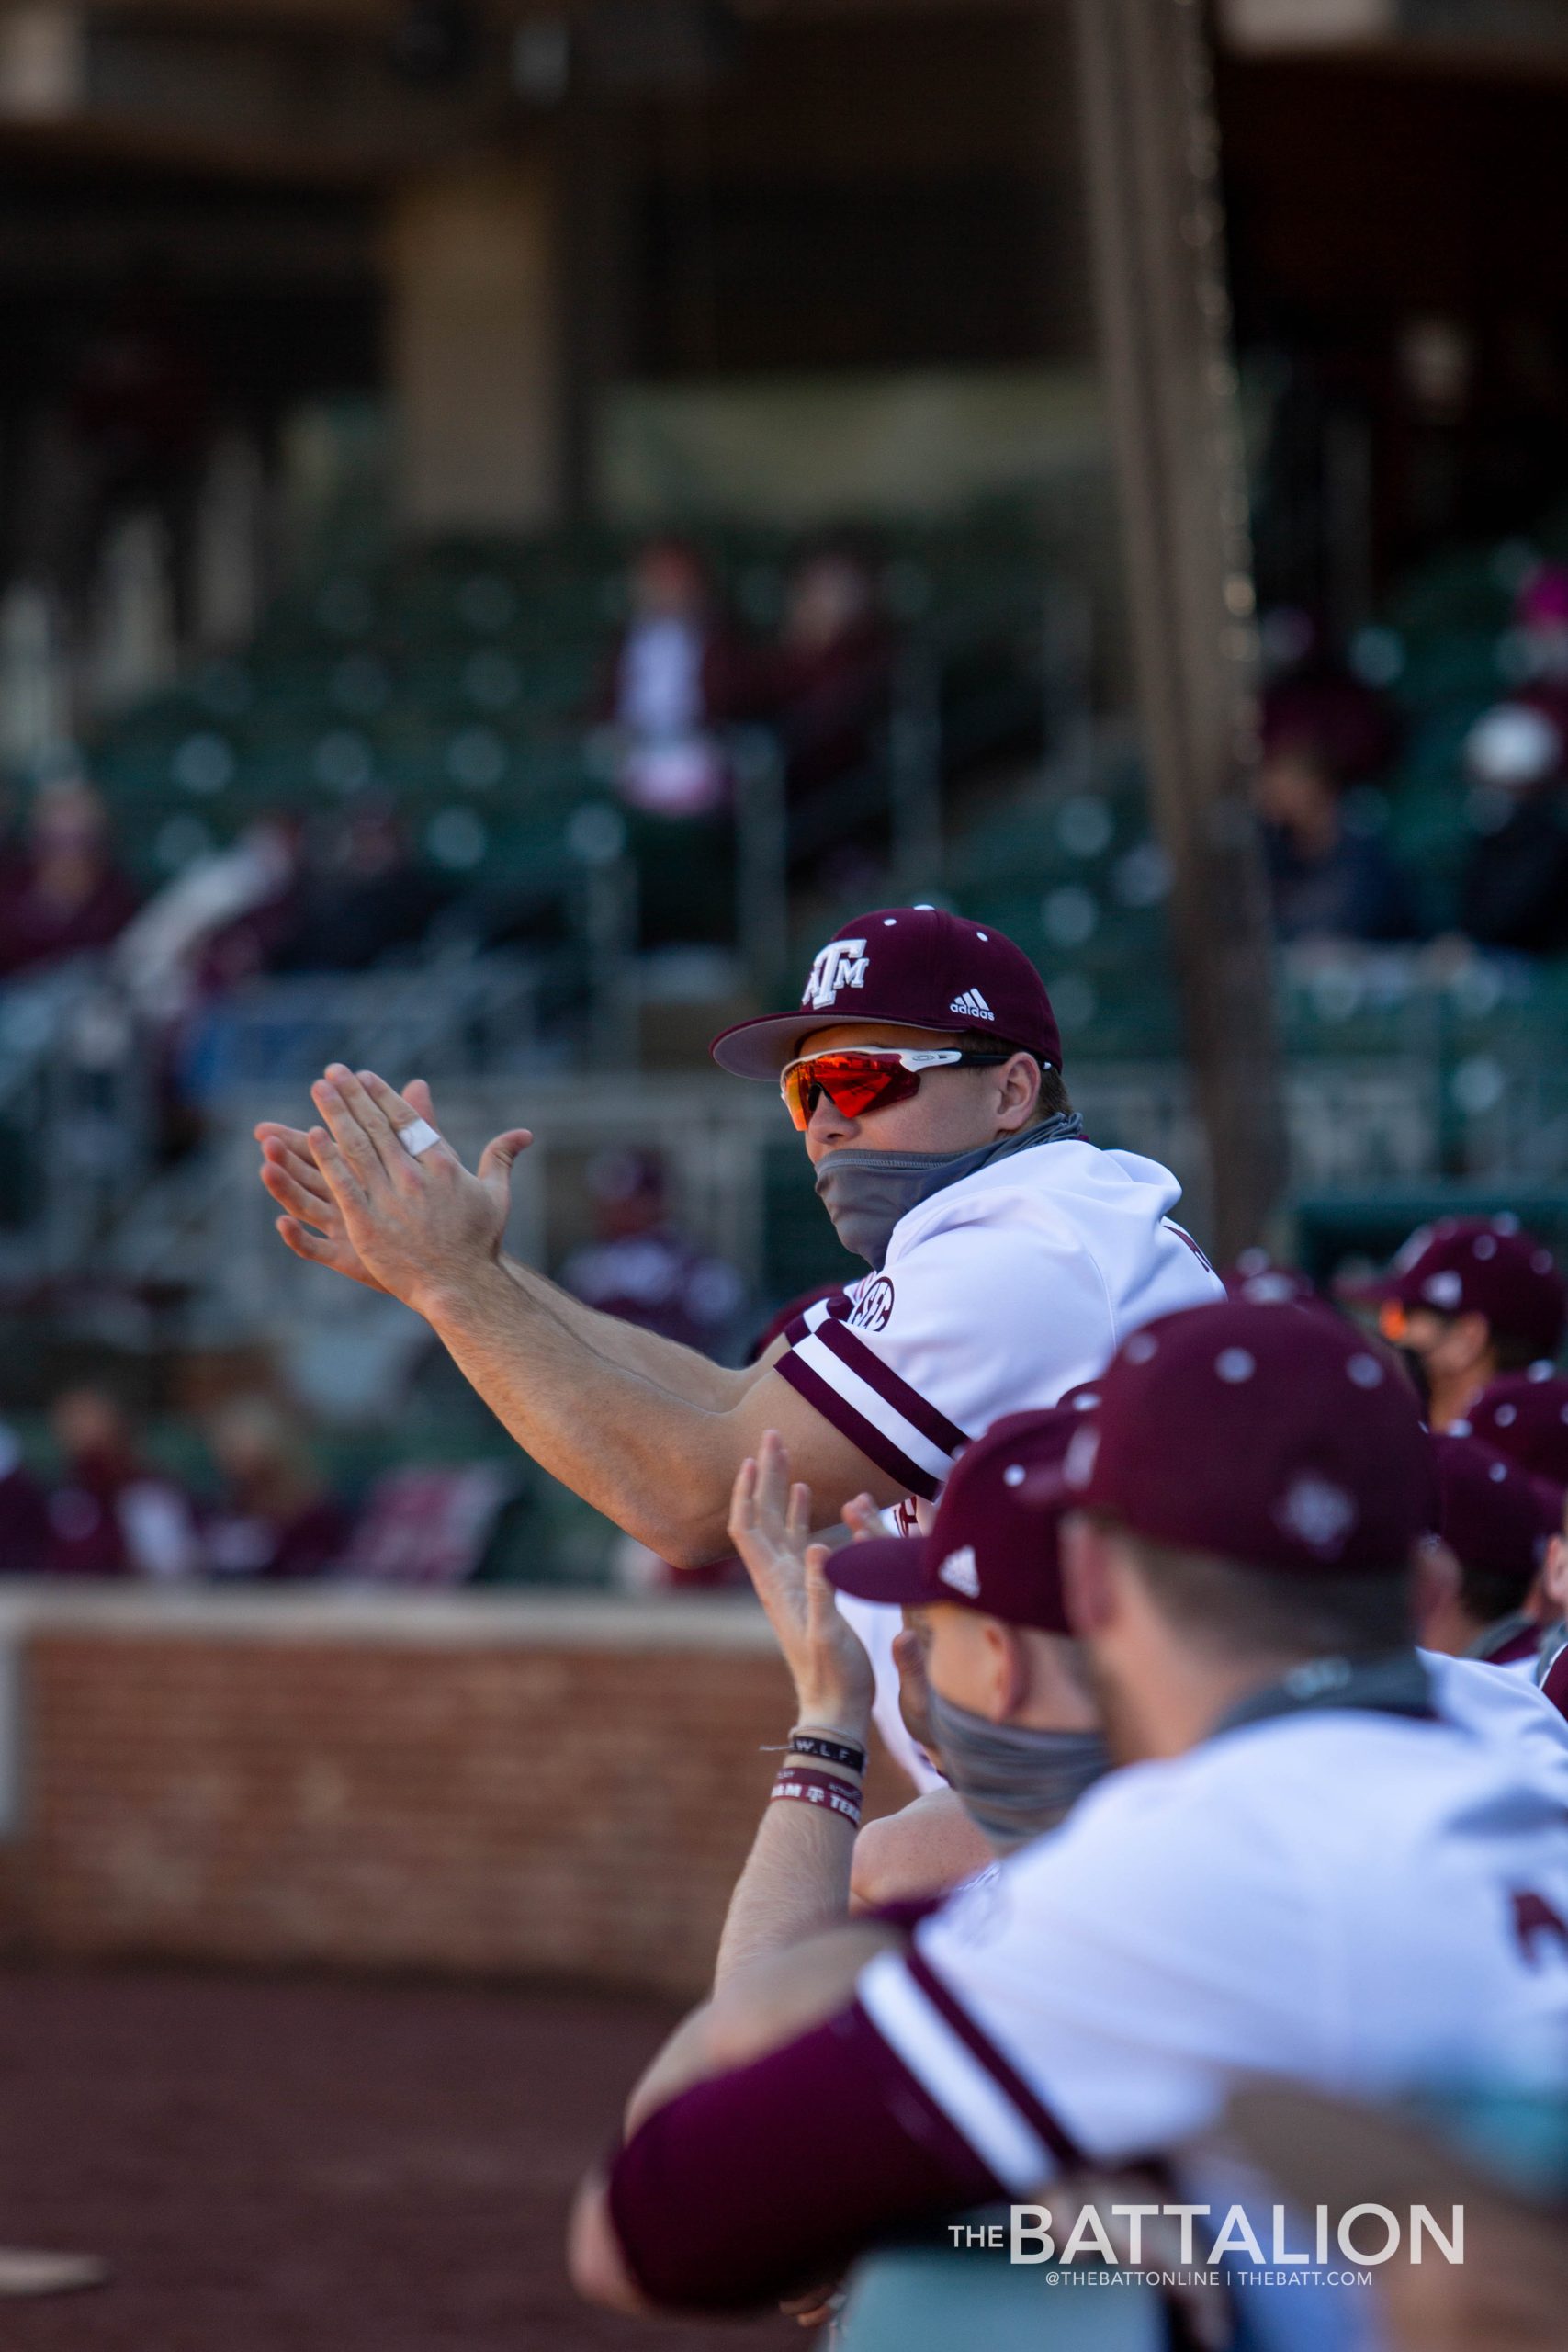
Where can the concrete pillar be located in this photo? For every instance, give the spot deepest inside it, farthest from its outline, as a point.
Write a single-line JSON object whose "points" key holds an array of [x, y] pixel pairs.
{"points": [[475, 349], [1151, 147]]}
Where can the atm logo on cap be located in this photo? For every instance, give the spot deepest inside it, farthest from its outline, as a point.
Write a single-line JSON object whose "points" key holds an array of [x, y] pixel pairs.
{"points": [[840, 964]]}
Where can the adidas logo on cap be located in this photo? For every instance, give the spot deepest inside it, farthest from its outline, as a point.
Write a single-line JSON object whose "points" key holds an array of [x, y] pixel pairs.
{"points": [[973, 1003], [959, 1570]]}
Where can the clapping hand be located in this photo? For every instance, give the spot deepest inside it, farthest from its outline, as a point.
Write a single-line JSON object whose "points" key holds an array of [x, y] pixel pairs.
{"points": [[770, 1526], [354, 1199], [311, 1224]]}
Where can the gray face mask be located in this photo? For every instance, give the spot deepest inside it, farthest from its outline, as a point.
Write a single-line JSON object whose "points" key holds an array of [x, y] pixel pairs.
{"points": [[1013, 1783], [866, 1192]]}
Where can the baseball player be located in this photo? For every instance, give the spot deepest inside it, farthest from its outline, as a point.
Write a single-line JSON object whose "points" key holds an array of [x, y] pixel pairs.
{"points": [[1469, 1298], [1006, 1255], [1552, 1657], [1304, 1869], [1525, 1416], [1494, 1522], [1016, 1763]]}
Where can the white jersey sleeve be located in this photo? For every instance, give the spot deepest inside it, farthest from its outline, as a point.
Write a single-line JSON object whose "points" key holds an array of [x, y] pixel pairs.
{"points": [[1496, 1703], [912, 1363], [1073, 2011]]}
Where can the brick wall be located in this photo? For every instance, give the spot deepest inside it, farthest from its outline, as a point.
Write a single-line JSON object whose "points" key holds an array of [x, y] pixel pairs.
{"points": [[523, 1784]]}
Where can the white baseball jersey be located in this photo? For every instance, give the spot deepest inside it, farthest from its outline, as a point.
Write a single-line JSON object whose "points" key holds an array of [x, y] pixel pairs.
{"points": [[1493, 1702], [1359, 1901], [998, 1294]]}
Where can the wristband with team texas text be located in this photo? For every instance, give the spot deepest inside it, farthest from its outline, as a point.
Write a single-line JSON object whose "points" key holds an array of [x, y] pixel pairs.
{"points": [[824, 1789]]}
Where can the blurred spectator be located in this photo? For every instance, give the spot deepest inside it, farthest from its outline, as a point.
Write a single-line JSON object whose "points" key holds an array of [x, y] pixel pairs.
{"points": [[276, 1517], [825, 687], [1467, 1299], [361, 898], [24, 1515], [1525, 1416], [140, 400], [110, 1515], [1539, 647], [1514, 892], [675, 677], [1327, 880], [63, 894], [212, 924], [1494, 1521], [428, 1525], [640, 1268], [1313, 701], [141, 413], [1258, 1279]]}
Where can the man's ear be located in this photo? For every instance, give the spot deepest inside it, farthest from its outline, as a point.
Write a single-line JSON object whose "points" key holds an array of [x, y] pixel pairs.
{"points": [[1088, 1583], [1435, 1579], [1471, 1336], [1018, 1090], [1007, 1668], [1554, 1575]]}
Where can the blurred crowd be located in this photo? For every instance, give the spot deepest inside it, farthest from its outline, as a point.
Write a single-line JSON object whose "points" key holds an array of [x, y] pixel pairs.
{"points": [[1329, 734], [297, 892], [682, 672], [107, 1509], [313, 889], [92, 1493], [317, 889]]}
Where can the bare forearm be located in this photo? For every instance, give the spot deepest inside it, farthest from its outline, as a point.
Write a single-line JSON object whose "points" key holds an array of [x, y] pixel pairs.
{"points": [[651, 1461], [780, 1996], [680, 1371], [795, 1881]]}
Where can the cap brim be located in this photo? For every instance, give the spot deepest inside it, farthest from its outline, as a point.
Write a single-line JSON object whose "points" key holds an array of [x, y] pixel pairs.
{"points": [[887, 1568], [761, 1048]]}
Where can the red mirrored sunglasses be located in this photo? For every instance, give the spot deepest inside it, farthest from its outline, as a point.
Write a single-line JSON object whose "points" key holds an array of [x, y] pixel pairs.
{"points": [[857, 1082]]}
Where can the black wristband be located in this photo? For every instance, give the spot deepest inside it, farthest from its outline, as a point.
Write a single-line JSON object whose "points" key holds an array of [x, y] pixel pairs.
{"points": [[830, 1751]]}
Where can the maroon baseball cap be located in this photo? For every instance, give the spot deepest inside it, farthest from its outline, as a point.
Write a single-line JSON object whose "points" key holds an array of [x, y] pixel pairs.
{"points": [[1490, 1514], [911, 967], [1277, 1440], [992, 1545], [1525, 1416], [1255, 1276], [1487, 1266]]}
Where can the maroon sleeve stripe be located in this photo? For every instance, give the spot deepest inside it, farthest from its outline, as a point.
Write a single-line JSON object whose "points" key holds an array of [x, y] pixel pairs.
{"points": [[918, 1410], [1555, 1684], [801, 1326], [1046, 2127], [862, 1433]]}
